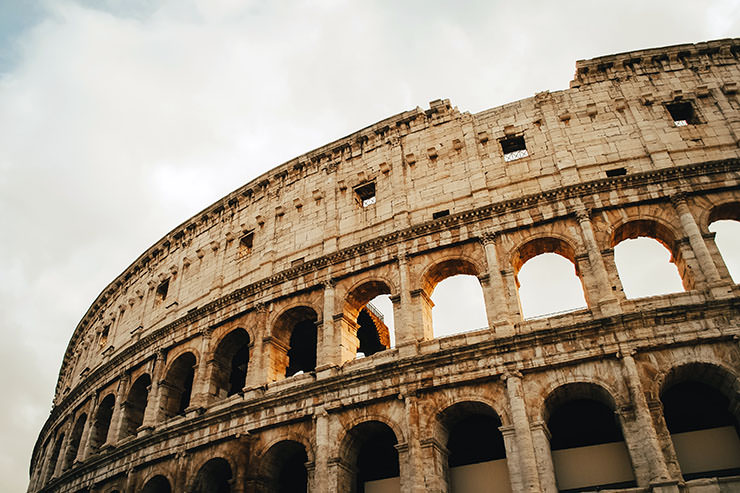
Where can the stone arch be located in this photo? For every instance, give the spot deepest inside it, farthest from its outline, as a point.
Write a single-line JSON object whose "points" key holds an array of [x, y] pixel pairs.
{"points": [[363, 323], [74, 441], [441, 268], [701, 413], [157, 483], [656, 229], [214, 476], [353, 423], [230, 363], [726, 210], [562, 246], [293, 342], [582, 420], [55, 453], [282, 465], [135, 405], [723, 237], [369, 452], [177, 386], [101, 423]]}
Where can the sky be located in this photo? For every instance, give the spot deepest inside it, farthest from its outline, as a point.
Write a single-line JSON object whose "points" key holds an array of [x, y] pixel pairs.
{"points": [[119, 119]]}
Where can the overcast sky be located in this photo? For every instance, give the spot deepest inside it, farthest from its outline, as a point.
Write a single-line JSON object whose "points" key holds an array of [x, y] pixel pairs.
{"points": [[119, 119]]}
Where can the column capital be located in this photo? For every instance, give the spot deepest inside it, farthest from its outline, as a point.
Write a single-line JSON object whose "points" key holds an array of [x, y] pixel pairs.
{"points": [[678, 198], [487, 237], [329, 283], [506, 375], [260, 307], [583, 214]]}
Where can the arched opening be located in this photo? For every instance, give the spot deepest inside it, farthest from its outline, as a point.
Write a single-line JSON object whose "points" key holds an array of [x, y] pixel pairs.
{"points": [[648, 261], [284, 468], [230, 362], [214, 477], [548, 278], [367, 320], [133, 411], [158, 484], [724, 222], [178, 386], [374, 459], [74, 441], [588, 449], [703, 429], [294, 348], [452, 298], [476, 455], [55, 452], [101, 424]]}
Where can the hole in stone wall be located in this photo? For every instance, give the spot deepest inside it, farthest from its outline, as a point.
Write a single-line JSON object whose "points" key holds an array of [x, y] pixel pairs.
{"points": [[438, 214], [513, 148], [549, 285], [162, 289], [302, 352], [616, 172], [683, 113], [645, 268], [245, 244], [366, 194], [458, 306]]}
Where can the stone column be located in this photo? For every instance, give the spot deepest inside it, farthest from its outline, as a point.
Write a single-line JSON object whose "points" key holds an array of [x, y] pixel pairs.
{"points": [[436, 470], [691, 229], [541, 438], [116, 420], [525, 444], [412, 479], [327, 350], [152, 402], [256, 371], [321, 455], [494, 289], [513, 463], [512, 290], [607, 255], [200, 398], [605, 299], [408, 320], [656, 461], [84, 449]]}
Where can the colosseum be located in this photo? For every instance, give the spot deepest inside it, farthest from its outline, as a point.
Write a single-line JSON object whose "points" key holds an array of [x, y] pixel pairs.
{"points": [[240, 352]]}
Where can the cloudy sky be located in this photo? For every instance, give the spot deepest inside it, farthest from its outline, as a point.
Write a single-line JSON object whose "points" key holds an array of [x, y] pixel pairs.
{"points": [[119, 119]]}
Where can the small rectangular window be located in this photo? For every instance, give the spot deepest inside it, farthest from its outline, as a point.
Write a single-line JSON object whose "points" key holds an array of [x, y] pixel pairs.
{"points": [[104, 336], [245, 244], [683, 113], [366, 194], [162, 291], [616, 172], [514, 148], [438, 214]]}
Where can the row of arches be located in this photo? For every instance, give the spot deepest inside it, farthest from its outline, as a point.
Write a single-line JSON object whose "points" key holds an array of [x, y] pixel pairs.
{"points": [[592, 441]]}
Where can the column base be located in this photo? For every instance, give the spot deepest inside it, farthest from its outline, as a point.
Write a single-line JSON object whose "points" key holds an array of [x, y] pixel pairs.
{"points": [[609, 307], [326, 371]]}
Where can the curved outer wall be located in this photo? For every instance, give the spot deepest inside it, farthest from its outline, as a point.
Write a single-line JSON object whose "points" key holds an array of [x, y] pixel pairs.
{"points": [[313, 245]]}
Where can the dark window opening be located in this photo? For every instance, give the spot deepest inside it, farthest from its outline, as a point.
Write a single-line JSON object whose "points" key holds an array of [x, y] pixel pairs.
{"points": [[439, 214], [514, 148], [616, 172], [238, 376], [366, 194], [187, 389], [178, 386], [302, 352], [583, 422], [475, 439], [378, 457], [162, 291], [101, 425], [245, 244], [293, 476], [133, 414], [214, 477], [682, 113], [367, 333]]}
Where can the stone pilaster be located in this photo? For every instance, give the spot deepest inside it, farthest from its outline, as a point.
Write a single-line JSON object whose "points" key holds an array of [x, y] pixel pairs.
{"points": [[494, 289], [525, 444], [116, 421], [153, 397], [327, 350]]}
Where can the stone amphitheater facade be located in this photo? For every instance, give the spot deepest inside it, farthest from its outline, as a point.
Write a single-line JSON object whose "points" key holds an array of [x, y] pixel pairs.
{"points": [[224, 359]]}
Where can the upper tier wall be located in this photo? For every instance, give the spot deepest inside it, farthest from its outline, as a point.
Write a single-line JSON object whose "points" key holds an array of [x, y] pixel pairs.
{"points": [[304, 213]]}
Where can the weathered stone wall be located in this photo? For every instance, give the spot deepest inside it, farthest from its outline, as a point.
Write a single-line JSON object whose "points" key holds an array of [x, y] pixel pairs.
{"points": [[605, 162]]}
